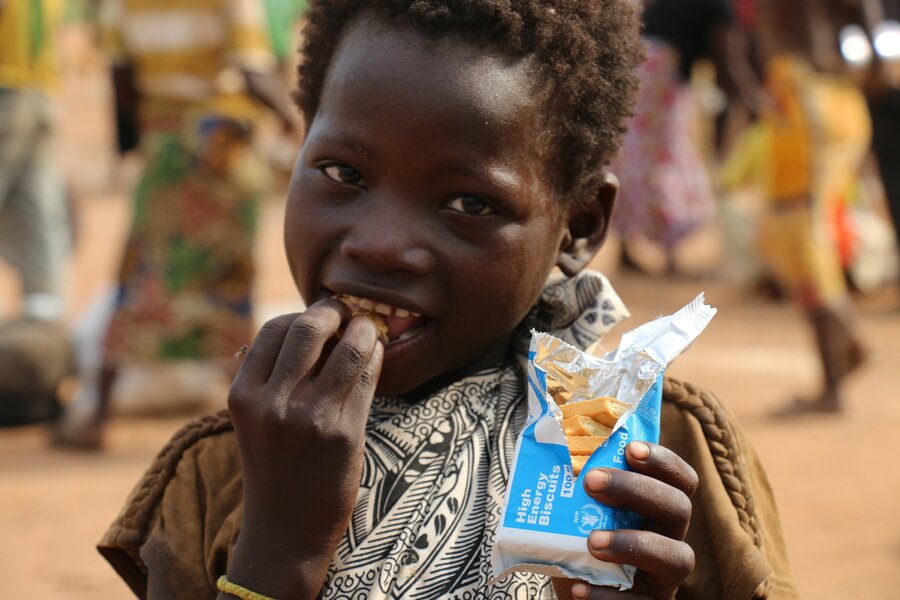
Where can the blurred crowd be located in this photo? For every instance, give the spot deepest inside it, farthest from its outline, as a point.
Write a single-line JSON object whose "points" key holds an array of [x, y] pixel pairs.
{"points": [[774, 123]]}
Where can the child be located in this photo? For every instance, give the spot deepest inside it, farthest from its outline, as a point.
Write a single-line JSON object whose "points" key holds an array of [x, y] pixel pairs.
{"points": [[454, 157]]}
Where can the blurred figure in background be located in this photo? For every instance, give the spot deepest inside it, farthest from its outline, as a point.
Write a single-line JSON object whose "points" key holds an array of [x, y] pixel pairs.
{"points": [[814, 137], [191, 77], [35, 234], [34, 220], [666, 190], [882, 88]]}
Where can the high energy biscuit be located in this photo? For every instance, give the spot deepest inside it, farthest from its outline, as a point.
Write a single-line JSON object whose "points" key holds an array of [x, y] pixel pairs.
{"points": [[606, 410], [581, 425]]}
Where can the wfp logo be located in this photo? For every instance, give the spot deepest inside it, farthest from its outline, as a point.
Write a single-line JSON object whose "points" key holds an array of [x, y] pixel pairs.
{"points": [[588, 518]]}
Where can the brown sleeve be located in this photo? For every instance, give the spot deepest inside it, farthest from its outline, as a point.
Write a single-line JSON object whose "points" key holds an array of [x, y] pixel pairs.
{"points": [[181, 521], [735, 531]]}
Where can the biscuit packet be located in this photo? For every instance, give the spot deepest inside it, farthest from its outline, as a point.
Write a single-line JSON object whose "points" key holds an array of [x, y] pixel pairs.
{"points": [[583, 412]]}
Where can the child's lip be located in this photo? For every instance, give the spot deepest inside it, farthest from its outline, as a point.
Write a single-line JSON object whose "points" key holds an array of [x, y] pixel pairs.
{"points": [[395, 347]]}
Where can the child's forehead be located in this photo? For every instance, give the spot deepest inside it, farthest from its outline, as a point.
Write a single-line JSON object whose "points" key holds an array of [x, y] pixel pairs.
{"points": [[374, 54]]}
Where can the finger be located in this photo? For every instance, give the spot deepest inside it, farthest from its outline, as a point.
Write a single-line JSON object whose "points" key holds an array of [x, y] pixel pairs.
{"points": [[350, 357], [661, 463], [666, 561], [583, 591], [666, 509], [257, 364], [355, 408], [304, 341]]}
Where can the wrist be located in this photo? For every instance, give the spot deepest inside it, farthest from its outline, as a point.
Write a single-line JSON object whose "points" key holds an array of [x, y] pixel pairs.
{"points": [[278, 568]]}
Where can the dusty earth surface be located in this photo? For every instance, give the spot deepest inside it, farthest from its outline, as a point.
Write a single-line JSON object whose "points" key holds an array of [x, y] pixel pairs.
{"points": [[836, 477]]}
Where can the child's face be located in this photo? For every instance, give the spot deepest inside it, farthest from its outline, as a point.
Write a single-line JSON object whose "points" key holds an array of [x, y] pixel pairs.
{"points": [[421, 185]]}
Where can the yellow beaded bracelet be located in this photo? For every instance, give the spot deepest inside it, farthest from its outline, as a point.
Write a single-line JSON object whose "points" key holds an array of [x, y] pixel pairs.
{"points": [[237, 591]]}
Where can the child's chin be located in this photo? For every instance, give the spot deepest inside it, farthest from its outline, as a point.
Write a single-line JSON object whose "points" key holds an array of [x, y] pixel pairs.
{"points": [[405, 381], [395, 384]]}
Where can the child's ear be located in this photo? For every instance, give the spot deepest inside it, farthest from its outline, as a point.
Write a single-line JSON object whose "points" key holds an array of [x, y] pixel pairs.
{"points": [[588, 224]]}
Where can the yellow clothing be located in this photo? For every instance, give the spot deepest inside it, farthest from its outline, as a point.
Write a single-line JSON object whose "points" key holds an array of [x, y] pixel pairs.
{"points": [[746, 162], [788, 129], [817, 133], [806, 152], [188, 55], [845, 135], [810, 144], [27, 53], [803, 259]]}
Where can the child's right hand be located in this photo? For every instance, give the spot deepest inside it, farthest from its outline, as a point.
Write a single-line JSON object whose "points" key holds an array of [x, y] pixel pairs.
{"points": [[299, 413]]}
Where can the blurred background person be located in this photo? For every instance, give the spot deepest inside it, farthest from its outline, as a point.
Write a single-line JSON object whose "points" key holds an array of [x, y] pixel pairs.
{"points": [[190, 78], [666, 188], [35, 232], [34, 224], [813, 139]]}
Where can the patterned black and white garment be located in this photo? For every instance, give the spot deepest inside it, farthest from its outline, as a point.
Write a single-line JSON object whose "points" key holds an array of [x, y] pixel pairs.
{"points": [[436, 471]]}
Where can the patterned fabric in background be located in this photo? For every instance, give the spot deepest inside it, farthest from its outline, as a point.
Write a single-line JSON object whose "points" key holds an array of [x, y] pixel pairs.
{"points": [[187, 273], [666, 192], [435, 472]]}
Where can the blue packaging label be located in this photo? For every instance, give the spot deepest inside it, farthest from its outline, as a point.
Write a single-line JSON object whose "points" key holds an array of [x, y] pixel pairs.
{"points": [[544, 496]]}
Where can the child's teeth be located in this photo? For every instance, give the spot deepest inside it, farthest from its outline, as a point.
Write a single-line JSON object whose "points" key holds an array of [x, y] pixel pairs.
{"points": [[357, 302]]}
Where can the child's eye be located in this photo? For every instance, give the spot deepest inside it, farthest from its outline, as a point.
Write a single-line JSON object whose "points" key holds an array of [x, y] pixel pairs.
{"points": [[343, 174], [471, 205]]}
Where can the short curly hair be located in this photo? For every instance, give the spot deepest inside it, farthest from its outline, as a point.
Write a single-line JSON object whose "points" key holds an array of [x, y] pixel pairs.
{"points": [[587, 51]]}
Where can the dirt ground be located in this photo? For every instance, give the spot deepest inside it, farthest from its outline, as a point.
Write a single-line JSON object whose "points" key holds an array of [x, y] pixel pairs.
{"points": [[835, 477]]}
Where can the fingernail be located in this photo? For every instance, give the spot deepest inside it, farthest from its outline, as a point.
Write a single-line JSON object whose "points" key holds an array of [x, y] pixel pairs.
{"points": [[639, 450], [580, 591], [600, 540], [596, 480]]}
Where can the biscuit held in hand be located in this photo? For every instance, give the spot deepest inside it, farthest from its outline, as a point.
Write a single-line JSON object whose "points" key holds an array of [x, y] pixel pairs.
{"points": [[584, 445], [581, 425], [578, 463], [357, 310], [394, 324], [605, 410]]}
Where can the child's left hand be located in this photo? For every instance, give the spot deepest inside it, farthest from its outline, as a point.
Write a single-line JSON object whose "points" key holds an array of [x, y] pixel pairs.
{"points": [[659, 489]]}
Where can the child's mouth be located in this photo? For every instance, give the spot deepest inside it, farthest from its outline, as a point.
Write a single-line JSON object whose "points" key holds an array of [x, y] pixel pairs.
{"points": [[394, 324]]}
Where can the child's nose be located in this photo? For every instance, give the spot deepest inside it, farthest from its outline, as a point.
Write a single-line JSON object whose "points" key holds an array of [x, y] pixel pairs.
{"points": [[387, 240]]}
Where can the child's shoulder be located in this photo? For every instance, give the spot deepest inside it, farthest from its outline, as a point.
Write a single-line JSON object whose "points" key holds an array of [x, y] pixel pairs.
{"points": [[735, 530], [701, 429], [192, 489]]}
